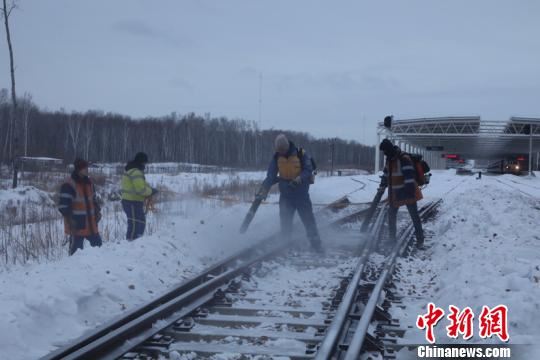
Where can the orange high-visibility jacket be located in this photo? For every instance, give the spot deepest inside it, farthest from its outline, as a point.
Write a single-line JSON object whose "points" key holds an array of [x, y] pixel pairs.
{"points": [[78, 205]]}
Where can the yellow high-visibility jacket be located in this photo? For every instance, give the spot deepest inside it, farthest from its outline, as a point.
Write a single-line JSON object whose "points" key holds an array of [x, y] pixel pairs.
{"points": [[134, 186]]}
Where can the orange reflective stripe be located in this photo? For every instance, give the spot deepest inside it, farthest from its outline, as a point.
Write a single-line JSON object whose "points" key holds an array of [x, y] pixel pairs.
{"points": [[81, 208]]}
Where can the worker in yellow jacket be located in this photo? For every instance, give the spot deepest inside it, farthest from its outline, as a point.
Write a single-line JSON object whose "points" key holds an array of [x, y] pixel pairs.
{"points": [[135, 190], [292, 168]]}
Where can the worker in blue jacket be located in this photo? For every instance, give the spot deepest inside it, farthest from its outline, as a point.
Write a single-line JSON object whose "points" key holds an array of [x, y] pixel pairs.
{"points": [[292, 169]]}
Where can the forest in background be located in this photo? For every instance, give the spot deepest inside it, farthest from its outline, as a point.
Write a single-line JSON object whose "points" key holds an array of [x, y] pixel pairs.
{"points": [[108, 137]]}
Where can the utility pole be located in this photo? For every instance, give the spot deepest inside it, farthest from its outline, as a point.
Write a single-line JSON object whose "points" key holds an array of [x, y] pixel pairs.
{"points": [[377, 153], [260, 98], [333, 145], [530, 149]]}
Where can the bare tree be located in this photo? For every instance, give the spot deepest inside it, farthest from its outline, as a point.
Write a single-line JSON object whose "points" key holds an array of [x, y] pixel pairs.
{"points": [[74, 131], [125, 139], [88, 131], [7, 8], [189, 138], [6, 153]]}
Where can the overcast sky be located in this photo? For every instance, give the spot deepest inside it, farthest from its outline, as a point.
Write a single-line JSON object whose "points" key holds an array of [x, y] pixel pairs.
{"points": [[330, 68]]}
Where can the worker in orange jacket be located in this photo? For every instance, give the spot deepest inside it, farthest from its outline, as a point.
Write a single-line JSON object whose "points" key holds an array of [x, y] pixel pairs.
{"points": [[399, 177], [79, 206]]}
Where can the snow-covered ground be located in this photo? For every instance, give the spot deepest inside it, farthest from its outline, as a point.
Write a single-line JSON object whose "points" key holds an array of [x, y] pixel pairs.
{"points": [[186, 182], [25, 196], [50, 303], [485, 251]]}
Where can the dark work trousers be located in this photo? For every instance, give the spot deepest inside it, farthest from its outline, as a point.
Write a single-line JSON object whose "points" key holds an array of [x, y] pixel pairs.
{"points": [[136, 219], [301, 202], [76, 242], [413, 211]]}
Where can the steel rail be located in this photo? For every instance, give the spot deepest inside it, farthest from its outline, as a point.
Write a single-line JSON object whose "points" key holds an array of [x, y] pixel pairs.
{"points": [[211, 278], [106, 346], [205, 276], [360, 333], [185, 286], [334, 332], [515, 188]]}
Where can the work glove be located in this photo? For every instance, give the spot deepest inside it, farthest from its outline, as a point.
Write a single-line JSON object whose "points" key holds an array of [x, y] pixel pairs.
{"points": [[261, 194], [154, 191], [296, 182]]}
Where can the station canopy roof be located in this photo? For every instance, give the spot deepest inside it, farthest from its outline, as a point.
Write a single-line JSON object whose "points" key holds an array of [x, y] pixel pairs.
{"points": [[468, 135]]}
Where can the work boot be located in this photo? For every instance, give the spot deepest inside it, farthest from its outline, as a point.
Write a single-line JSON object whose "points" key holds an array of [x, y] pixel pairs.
{"points": [[420, 242], [316, 244]]}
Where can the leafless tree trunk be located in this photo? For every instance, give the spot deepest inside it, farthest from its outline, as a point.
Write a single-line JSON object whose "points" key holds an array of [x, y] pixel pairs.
{"points": [[7, 8], [126, 140], [88, 132], [74, 130], [192, 138], [26, 107], [5, 152]]}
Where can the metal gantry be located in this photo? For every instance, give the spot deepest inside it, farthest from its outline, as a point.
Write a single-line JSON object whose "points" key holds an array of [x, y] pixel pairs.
{"points": [[469, 136]]}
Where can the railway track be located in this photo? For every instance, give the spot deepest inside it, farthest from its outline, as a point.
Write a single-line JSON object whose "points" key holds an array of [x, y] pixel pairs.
{"points": [[516, 188], [269, 301]]}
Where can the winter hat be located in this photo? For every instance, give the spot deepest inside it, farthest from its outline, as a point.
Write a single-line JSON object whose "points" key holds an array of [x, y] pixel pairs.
{"points": [[281, 144], [388, 121], [141, 158], [387, 147], [80, 164]]}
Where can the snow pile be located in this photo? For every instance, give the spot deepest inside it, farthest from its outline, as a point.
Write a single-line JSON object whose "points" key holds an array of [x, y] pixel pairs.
{"points": [[49, 304], [24, 194], [26, 200], [485, 251], [46, 304]]}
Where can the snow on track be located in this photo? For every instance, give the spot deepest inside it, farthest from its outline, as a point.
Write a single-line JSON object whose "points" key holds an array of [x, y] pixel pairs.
{"points": [[282, 294], [48, 304]]}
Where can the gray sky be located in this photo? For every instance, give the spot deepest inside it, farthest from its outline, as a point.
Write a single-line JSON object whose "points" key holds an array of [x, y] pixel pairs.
{"points": [[329, 68]]}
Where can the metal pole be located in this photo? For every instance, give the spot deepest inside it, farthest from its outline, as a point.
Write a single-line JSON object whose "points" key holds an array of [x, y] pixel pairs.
{"points": [[332, 168], [260, 97], [530, 148], [377, 153]]}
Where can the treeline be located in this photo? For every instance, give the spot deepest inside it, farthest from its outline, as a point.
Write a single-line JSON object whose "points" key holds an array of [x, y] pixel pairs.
{"points": [[107, 137]]}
